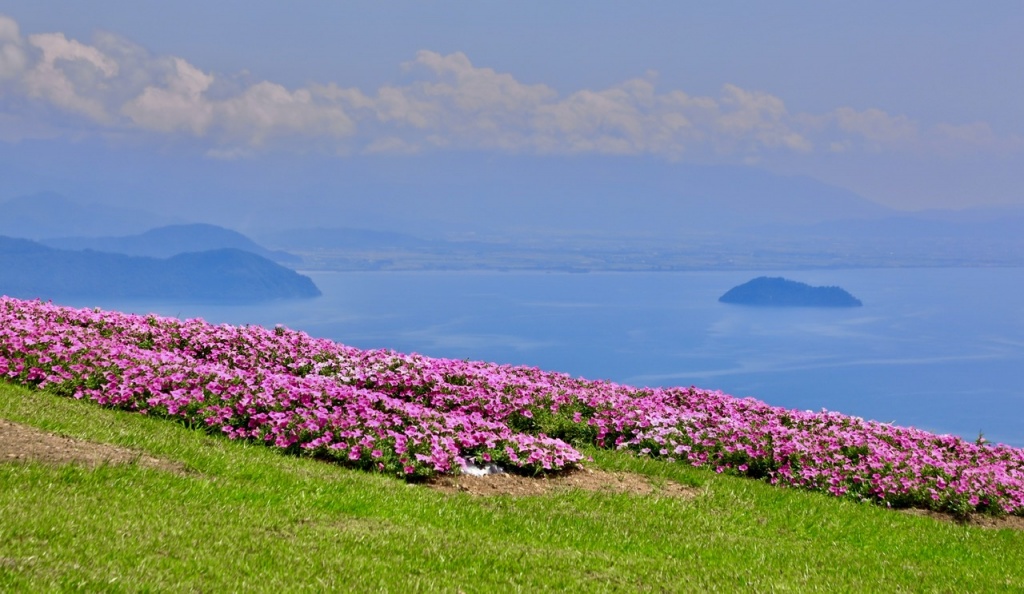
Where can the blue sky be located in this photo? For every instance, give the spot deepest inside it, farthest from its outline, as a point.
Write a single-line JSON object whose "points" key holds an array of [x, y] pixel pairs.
{"points": [[912, 105]]}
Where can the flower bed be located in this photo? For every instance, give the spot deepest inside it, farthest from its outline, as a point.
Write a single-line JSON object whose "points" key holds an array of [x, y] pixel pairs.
{"points": [[415, 415]]}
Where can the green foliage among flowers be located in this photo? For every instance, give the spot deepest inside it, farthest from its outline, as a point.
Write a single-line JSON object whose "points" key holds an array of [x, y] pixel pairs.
{"points": [[415, 416]]}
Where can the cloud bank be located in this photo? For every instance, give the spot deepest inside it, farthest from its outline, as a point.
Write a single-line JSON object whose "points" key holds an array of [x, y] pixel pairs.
{"points": [[113, 86]]}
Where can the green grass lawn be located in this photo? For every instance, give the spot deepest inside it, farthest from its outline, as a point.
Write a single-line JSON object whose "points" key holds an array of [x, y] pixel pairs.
{"points": [[243, 517]]}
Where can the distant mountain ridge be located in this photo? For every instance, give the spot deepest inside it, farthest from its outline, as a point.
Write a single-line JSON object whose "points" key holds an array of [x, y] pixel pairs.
{"points": [[48, 214], [314, 238], [31, 270], [440, 196], [164, 242], [586, 213]]}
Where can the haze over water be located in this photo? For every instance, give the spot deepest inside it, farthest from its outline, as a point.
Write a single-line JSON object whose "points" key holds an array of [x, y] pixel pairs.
{"points": [[940, 349], [664, 134]]}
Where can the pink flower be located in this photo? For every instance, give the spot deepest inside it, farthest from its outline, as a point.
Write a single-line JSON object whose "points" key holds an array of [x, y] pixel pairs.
{"points": [[287, 389]]}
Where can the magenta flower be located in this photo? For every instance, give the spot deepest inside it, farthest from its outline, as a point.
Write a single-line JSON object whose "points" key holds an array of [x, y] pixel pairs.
{"points": [[417, 415]]}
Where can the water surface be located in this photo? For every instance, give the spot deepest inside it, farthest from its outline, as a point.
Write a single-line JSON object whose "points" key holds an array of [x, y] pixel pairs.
{"points": [[940, 349]]}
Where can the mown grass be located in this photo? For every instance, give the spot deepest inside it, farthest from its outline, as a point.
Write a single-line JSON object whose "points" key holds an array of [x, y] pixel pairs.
{"points": [[246, 518]]}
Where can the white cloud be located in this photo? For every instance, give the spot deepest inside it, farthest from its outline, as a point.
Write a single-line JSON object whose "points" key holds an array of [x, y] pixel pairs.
{"points": [[881, 130], [266, 110], [56, 47], [973, 137], [248, 118], [476, 90], [70, 75], [761, 118], [12, 54], [457, 104], [877, 131], [447, 103], [395, 105], [9, 30], [634, 118], [179, 105], [461, 105], [589, 121]]}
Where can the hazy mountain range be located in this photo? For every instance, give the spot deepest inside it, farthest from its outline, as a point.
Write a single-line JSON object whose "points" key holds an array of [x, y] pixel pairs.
{"points": [[51, 215], [516, 197], [433, 196], [514, 212], [164, 242], [31, 270]]}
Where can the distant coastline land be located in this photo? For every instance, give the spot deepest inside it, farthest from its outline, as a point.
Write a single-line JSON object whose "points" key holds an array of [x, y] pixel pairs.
{"points": [[780, 292], [231, 276]]}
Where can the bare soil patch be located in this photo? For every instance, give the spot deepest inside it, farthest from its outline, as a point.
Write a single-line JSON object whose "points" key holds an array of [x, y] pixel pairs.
{"points": [[980, 520], [20, 443], [584, 479]]}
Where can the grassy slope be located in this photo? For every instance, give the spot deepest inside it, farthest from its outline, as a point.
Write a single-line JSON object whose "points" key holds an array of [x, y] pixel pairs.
{"points": [[247, 518]]}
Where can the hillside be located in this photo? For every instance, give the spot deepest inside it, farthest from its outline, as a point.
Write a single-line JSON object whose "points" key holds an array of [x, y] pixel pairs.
{"points": [[32, 270], [170, 240], [48, 214], [680, 489], [310, 526]]}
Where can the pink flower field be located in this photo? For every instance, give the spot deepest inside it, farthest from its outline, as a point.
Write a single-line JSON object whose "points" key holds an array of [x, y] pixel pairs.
{"points": [[415, 416]]}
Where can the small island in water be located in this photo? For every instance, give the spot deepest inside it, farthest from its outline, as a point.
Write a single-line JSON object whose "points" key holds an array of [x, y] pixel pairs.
{"points": [[781, 292]]}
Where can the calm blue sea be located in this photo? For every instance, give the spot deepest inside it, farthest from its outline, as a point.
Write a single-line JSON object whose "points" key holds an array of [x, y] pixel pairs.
{"points": [[940, 349]]}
